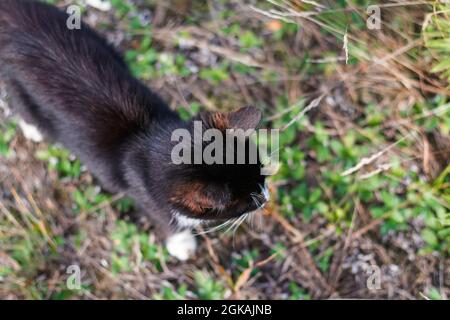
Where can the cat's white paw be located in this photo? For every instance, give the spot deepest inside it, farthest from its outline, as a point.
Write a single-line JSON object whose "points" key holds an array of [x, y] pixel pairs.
{"points": [[181, 245], [30, 132], [103, 5]]}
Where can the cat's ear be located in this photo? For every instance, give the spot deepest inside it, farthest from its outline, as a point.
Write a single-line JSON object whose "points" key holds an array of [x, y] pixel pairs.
{"points": [[217, 120], [245, 118]]}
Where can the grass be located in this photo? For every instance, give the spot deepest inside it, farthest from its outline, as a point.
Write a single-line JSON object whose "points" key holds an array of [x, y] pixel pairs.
{"points": [[364, 179]]}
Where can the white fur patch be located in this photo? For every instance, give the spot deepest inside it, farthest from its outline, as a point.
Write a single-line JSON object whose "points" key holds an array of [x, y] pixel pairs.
{"points": [[184, 222], [103, 5], [30, 132], [181, 245], [4, 108]]}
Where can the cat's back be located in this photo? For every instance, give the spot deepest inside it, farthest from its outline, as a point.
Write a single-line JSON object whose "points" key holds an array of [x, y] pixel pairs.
{"points": [[29, 22], [33, 29], [11, 10], [72, 75], [74, 71]]}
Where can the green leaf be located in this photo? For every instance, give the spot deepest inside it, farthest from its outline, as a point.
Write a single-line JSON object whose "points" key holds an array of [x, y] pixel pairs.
{"points": [[441, 66], [429, 237]]}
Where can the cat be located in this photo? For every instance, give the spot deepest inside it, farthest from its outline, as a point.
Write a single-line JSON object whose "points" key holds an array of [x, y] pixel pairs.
{"points": [[72, 87]]}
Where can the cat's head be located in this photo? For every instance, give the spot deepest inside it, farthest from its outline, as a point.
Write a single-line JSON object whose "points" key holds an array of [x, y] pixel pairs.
{"points": [[227, 185]]}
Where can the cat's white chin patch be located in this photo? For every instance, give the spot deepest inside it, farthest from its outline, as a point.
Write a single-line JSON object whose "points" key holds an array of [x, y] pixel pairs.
{"points": [[30, 132], [181, 245], [184, 222]]}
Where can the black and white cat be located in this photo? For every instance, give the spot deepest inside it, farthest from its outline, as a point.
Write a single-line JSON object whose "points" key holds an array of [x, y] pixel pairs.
{"points": [[73, 88]]}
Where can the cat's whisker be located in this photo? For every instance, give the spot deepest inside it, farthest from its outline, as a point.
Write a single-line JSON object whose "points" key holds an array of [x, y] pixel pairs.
{"points": [[236, 224], [225, 224], [255, 201], [261, 211], [248, 218], [258, 202], [258, 205], [231, 227], [251, 219], [240, 221], [216, 228]]}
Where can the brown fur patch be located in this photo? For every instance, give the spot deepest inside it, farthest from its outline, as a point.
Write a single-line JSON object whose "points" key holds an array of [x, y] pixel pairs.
{"points": [[220, 121], [243, 118], [193, 197]]}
